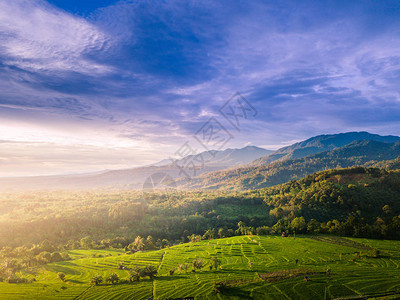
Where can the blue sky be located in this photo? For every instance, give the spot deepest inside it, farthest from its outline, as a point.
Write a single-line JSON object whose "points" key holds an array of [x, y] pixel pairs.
{"points": [[91, 85]]}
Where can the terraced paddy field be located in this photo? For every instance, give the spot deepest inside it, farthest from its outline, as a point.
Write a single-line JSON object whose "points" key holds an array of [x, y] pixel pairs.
{"points": [[253, 267]]}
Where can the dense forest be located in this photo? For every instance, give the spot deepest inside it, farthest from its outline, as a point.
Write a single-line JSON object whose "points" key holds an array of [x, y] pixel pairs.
{"points": [[360, 195], [39, 228]]}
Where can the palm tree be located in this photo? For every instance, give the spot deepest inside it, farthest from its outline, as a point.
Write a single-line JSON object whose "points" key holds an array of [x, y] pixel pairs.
{"points": [[150, 271], [135, 274], [198, 263]]}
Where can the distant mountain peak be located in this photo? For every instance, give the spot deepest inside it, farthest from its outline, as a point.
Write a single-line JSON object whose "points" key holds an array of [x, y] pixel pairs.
{"points": [[321, 143]]}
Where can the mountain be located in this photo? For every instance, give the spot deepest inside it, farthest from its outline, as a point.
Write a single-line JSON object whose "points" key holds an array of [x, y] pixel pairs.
{"points": [[357, 153], [321, 143], [225, 158], [133, 178], [238, 169]]}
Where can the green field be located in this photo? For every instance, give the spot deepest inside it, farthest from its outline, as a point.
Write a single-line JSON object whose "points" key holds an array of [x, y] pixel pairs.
{"points": [[255, 267]]}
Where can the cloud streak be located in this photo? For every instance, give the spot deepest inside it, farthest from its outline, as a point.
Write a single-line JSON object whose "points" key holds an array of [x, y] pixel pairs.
{"points": [[147, 75], [37, 37]]}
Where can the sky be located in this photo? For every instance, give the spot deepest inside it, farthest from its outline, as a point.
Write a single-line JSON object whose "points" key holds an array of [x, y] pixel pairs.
{"points": [[93, 85]]}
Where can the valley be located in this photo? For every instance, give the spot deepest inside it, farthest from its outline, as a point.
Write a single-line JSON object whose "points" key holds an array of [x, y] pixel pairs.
{"points": [[323, 226]]}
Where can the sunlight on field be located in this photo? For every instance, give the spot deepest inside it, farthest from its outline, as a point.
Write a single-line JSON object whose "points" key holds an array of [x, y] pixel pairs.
{"points": [[254, 265]]}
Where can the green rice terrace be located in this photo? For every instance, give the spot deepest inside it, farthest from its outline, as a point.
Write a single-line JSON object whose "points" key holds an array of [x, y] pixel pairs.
{"points": [[249, 267]]}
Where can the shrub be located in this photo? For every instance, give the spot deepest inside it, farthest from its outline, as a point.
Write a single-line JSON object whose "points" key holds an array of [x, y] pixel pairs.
{"points": [[220, 286], [215, 263], [17, 280], [112, 278], [137, 273], [375, 253], [61, 275], [65, 256], [56, 256], [328, 271], [96, 280]]}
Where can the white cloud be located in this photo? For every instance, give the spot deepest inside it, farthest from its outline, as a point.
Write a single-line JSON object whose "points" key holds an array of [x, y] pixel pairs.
{"points": [[36, 36]]}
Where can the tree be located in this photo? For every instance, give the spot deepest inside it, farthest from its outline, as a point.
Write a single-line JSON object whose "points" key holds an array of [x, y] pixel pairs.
{"points": [[280, 226], [264, 230], [135, 274], [194, 238], [387, 210], [198, 263], [183, 267], [240, 229], [139, 243], [86, 242], [165, 243], [112, 278], [56, 256], [150, 243], [338, 178], [222, 232], [162, 243], [210, 234], [96, 280], [44, 257], [150, 271], [61, 276], [215, 262], [313, 226], [298, 224]]}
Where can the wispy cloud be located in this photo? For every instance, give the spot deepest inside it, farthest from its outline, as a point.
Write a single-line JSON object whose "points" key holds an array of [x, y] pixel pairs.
{"points": [[37, 37], [146, 74]]}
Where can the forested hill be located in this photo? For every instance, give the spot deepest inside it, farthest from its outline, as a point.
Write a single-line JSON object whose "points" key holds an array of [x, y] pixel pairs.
{"points": [[353, 202], [338, 194], [321, 143], [358, 153]]}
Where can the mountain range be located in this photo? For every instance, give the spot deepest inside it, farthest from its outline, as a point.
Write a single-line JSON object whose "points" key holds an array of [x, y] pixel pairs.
{"points": [[320, 144], [225, 158], [293, 162], [357, 153], [250, 167]]}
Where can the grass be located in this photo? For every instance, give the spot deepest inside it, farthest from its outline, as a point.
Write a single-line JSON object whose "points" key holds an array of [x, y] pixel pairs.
{"points": [[253, 267]]}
